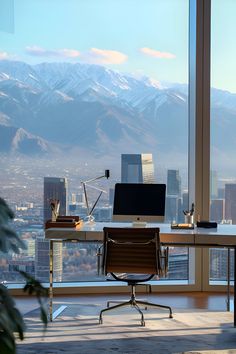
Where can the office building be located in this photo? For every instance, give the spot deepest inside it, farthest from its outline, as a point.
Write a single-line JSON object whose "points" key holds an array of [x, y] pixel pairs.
{"points": [[173, 183], [178, 266], [217, 210], [230, 202], [172, 207], [221, 193], [173, 197], [42, 260], [185, 201], [55, 188], [137, 168], [73, 198], [111, 196], [218, 268], [214, 184], [16, 264]]}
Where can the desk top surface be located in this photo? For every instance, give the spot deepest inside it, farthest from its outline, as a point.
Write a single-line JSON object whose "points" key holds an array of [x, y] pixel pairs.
{"points": [[224, 235]]}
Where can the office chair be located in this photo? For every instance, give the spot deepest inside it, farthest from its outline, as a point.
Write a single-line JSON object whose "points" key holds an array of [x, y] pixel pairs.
{"points": [[133, 255]]}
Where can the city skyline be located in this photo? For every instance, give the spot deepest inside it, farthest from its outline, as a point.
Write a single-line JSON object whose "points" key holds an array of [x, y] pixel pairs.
{"points": [[33, 259]]}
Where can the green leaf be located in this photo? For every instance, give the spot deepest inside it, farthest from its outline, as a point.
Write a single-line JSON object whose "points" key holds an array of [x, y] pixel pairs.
{"points": [[5, 296], [6, 213], [10, 241], [44, 315], [33, 286], [11, 320], [7, 330], [7, 344], [19, 325]]}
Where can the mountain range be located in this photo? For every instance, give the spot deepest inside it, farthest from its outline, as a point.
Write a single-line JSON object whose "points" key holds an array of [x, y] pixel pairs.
{"points": [[52, 108]]}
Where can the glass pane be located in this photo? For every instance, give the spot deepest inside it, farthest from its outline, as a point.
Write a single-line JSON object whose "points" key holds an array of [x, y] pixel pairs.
{"points": [[223, 118], [83, 83]]}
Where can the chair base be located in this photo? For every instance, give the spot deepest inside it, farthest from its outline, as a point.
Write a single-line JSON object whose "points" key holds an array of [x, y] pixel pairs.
{"points": [[134, 303], [148, 290]]}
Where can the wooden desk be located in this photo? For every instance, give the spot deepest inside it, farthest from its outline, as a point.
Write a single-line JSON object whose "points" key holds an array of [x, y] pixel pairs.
{"points": [[223, 236]]}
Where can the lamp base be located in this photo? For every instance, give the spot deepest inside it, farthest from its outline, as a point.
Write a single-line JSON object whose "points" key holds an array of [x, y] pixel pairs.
{"points": [[89, 220]]}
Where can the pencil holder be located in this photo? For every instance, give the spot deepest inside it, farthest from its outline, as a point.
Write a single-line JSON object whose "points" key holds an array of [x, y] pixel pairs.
{"points": [[188, 219]]}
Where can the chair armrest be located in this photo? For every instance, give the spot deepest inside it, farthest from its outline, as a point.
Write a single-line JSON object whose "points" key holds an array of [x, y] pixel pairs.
{"points": [[164, 257]]}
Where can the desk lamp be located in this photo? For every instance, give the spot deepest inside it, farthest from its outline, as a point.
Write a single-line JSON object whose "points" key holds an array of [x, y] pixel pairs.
{"points": [[90, 217]]}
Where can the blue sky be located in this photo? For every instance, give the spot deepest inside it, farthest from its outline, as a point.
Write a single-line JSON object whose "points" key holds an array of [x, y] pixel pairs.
{"points": [[143, 37]]}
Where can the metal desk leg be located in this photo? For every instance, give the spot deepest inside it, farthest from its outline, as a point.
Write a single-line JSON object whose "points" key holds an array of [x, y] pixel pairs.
{"points": [[228, 280], [50, 279], [234, 286], [52, 315]]}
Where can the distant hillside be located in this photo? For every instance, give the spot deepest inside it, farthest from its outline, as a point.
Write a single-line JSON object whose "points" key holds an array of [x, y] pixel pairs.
{"points": [[91, 108]]}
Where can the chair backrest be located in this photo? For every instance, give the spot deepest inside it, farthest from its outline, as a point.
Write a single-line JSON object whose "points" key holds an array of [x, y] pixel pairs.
{"points": [[132, 250]]}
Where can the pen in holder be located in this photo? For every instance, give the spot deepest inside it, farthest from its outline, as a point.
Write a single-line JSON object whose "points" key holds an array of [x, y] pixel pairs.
{"points": [[189, 215], [55, 206]]}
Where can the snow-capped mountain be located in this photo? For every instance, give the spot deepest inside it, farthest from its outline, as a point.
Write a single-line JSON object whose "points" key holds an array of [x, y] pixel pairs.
{"points": [[95, 109]]}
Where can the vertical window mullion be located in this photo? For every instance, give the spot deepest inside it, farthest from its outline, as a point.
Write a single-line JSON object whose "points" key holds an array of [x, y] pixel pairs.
{"points": [[199, 122]]}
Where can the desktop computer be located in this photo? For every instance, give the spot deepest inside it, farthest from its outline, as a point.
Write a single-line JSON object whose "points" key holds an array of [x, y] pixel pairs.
{"points": [[139, 203]]}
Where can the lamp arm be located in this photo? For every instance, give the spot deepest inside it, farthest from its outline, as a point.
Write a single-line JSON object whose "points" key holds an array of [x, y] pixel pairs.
{"points": [[93, 187], [86, 184], [90, 213], [93, 179], [86, 196]]}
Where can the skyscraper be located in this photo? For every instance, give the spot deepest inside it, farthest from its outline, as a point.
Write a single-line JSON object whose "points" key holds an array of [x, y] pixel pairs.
{"points": [[173, 197], [217, 210], [230, 202], [137, 168], [54, 188], [173, 183], [171, 212], [214, 184]]}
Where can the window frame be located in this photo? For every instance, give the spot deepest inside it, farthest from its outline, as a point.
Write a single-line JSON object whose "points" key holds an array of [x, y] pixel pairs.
{"points": [[198, 149]]}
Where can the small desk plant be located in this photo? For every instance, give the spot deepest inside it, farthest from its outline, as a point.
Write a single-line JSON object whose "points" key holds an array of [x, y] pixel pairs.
{"points": [[11, 320]]}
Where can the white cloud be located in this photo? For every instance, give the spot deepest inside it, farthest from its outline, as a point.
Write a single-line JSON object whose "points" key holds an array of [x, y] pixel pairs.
{"points": [[4, 55], [103, 56], [156, 53], [93, 56], [62, 53], [70, 53]]}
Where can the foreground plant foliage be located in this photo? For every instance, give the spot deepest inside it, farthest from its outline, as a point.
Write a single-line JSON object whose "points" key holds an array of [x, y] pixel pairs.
{"points": [[12, 324]]}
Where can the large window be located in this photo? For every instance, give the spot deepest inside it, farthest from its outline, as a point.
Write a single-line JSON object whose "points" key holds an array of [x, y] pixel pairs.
{"points": [[82, 83], [223, 118]]}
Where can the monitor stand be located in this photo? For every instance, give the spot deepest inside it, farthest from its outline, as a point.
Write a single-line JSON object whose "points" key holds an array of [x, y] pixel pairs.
{"points": [[139, 224]]}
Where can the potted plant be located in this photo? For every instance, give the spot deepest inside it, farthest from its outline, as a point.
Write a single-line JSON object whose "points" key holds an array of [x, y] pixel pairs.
{"points": [[12, 324]]}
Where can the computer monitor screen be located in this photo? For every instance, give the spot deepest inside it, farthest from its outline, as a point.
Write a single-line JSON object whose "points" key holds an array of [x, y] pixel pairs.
{"points": [[139, 202]]}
